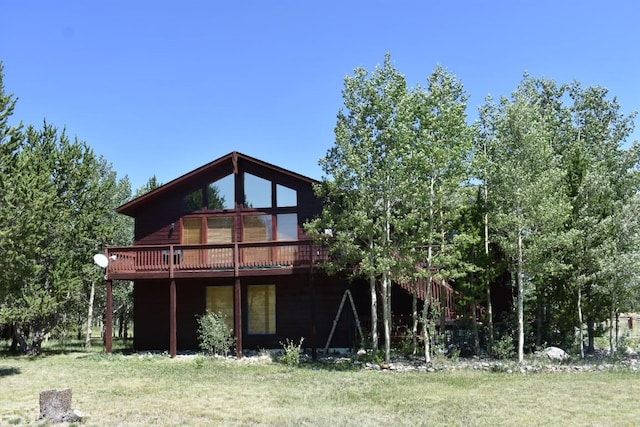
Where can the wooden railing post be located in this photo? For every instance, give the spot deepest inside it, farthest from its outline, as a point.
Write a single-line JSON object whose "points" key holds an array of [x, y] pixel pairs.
{"points": [[236, 259], [171, 263]]}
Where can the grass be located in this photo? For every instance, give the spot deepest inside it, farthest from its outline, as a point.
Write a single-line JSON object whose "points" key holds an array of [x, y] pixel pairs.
{"points": [[128, 390]]}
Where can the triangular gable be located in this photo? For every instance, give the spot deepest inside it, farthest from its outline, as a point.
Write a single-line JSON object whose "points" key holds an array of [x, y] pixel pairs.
{"points": [[220, 167]]}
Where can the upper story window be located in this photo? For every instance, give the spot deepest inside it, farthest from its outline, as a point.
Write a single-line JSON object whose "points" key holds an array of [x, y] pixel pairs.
{"points": [[259, 193], [262, 193], [223, 191], [285, 196], [217, 195]]}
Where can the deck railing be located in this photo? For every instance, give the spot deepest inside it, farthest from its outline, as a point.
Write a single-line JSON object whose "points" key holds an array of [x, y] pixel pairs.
{"points": [[231, 256], [136, 261]]}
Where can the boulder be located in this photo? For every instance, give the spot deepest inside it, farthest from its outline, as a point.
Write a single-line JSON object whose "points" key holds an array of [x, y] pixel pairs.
{"points": [[555, 354]]}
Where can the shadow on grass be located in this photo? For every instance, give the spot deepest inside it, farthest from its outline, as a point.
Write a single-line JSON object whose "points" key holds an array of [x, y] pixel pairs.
{"points": [[62, 347], [9, 370]]}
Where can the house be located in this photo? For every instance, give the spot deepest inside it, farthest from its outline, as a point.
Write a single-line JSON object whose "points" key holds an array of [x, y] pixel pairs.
{"points": [[228, 237]]}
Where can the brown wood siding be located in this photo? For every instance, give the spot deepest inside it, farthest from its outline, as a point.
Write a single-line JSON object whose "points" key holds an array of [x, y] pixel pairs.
{"points": [[151, 315], [153, 225], [293, 311]]}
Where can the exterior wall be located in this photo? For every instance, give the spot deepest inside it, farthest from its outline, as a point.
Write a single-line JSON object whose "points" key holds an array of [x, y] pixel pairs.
{"points": [[151, 315], [294, 311]]}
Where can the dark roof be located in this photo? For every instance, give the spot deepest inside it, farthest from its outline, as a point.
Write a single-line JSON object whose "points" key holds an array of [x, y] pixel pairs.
{"points": [[228, 161]]}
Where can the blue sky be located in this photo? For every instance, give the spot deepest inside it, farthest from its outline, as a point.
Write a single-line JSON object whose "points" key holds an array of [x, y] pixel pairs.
{"points": [[162, 87]]}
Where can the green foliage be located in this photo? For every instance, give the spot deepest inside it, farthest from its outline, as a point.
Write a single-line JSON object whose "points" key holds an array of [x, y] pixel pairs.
{"points": [[58, 200], [397, 168], [504, 347], [292, 352], [214, 336]]}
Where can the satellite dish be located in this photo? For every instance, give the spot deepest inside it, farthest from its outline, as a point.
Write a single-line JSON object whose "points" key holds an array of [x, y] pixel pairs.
{"points": [[101, 260]]}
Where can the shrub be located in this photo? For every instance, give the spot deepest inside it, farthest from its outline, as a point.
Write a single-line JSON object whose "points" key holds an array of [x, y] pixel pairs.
{"points": [[292, 352], [214, 336], [504, 347]]}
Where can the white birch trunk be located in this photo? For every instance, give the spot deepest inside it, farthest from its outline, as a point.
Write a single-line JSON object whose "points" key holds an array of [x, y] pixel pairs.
{"points": [[488, 282], [386, 287], [611, 344], [374, 313], [386, 310], [414, 316], [92, 293], [427, 303], [580, 322], [520, 301], [374, 304], [427, 297]]}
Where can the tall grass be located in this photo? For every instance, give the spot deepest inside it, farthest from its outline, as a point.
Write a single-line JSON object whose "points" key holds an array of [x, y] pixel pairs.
{"points": [[142, 389]]}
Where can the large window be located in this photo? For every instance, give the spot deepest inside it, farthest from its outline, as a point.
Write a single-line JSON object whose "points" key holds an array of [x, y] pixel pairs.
{"points": [[217, 195], [286, 196], [220, 229], [257, 192], [222, 193], [220, 300], [261, 307], [287, 226]]}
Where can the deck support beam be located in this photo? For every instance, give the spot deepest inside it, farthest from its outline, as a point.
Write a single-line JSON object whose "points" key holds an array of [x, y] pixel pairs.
{"points": [[173, 339], [108, 327], [237, 291], [312, 311]]}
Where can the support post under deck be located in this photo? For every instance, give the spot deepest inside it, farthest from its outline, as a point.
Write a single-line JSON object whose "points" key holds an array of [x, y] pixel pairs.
{"points": [[173, 340], [237, 290], [108, 327]]}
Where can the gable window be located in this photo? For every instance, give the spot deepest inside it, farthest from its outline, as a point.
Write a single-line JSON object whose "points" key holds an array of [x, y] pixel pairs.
{"points": [[257, 192], [193, 201], [261, 309], [218, 195], [285, 196], [220, 300], [222, 193]]}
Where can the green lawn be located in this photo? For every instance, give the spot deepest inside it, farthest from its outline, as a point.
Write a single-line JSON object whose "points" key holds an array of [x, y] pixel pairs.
{"points": [[156, 390]]}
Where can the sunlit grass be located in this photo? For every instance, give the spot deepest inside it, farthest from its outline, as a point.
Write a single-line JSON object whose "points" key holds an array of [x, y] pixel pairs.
{"points": [[156, 390]]}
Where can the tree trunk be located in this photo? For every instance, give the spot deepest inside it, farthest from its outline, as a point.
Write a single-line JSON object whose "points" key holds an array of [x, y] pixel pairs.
{"points": [[591, 334], [386, 316], [386, 286], [580, 322], [414, 317], [425, 311], [486, 275], [18, 340], [374, 308], [611, 346], [476, 334], [520, 302], [617, 331], [427, 298], [539, 315], [92, 294]]}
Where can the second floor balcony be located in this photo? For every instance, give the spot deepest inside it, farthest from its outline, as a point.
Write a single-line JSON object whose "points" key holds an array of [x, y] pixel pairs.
{"points": [[213, 260]]}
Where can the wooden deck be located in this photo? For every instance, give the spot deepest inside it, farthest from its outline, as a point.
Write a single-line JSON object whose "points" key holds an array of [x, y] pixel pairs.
{"points": [[243, 260], [213, 260]]}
